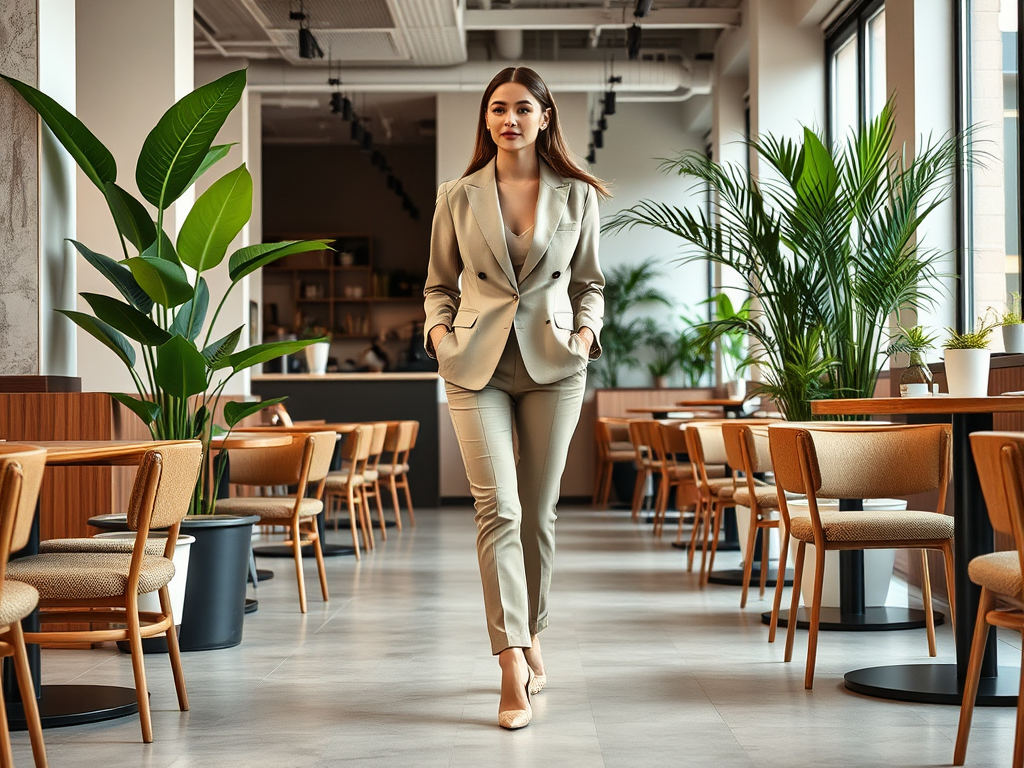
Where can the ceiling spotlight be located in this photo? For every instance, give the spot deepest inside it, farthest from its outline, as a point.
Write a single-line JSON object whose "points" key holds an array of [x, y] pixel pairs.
{"points": [[357, 132], [633, 42], [643, 7], [592, 155], [598, 139], [309, 48], [602, 124], [366, 143], [376, 159], [336, 105], [398, 188], [609, 102], [391, 181]]}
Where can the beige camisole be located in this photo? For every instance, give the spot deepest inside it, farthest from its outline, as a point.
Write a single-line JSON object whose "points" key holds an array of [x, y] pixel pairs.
{"points": [[518, 247]]}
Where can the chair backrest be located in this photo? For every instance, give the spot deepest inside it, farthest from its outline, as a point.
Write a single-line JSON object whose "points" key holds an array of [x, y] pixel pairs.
{"points": [[639, 436], [21, 476], [602, 438], [282, 415], [357, 446], [380, 431], [999, 457], [747, 446], [712, 443], [164, 485], [673, 439], [323, 445], [861, 461]]}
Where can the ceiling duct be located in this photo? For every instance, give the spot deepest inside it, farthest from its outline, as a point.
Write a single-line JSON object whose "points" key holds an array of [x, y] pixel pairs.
{"points": [[509, 44]]}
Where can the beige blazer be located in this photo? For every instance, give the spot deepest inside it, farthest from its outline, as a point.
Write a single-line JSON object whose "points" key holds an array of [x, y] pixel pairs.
{"points": [[472, 289]]}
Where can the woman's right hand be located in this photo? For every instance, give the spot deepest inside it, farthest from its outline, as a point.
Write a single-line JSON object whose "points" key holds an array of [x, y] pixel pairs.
{"points": [[437, 333]]}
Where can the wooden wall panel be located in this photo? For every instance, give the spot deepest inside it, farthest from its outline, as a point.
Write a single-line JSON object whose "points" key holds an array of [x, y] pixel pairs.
{"points": [[614, 402]]}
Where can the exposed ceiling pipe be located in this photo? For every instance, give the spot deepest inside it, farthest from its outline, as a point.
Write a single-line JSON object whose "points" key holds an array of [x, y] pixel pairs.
{"points": [[614, 18], [663, 78], [509, 43]]}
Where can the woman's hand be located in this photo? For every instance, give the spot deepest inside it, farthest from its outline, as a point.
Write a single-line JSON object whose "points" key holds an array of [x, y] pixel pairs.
{"points": [[437, 333], [587, 337]]}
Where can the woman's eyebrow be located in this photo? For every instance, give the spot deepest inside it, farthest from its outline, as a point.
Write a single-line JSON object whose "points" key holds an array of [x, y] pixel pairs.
{"points": [[502, 103]]}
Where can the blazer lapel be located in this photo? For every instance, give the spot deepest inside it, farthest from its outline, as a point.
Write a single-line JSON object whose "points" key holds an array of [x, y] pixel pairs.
{"points": [[551, 202], [482, 192]]}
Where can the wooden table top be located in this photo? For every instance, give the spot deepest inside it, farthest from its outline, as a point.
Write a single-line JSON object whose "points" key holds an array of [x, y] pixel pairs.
{"points": [[339, 427], [660, 409], [86, 452], [243, 440], [718, 402], [934, 404]]}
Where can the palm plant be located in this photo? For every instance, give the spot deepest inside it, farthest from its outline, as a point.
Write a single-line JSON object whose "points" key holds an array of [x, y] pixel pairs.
{"points": [[694, 351], [178, 381], [826, 242], [626, 287]]}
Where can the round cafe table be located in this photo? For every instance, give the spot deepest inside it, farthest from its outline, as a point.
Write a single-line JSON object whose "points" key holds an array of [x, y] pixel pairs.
{"points": [[62, 705], [943, 683]]}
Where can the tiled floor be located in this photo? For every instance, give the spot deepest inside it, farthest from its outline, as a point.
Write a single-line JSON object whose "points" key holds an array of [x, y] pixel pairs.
{"points": [[645, 669]]}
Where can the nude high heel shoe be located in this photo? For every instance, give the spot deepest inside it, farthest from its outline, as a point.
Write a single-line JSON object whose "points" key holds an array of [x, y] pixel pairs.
{"points": [[514, 719], [537, 684]]}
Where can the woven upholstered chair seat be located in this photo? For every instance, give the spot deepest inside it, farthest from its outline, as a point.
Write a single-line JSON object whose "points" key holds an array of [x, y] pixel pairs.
{"points": [[79, 576], [371, 475], [385, 469], [337, 481], [881, 525], [765, 496], [269, 507], [19, 600], [622, 455], [998, 572], [621, 445], [680, 472], [108, 546]]}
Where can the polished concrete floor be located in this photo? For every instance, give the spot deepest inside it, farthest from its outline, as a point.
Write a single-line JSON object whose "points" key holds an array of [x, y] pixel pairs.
{"points": [[645, 669]]}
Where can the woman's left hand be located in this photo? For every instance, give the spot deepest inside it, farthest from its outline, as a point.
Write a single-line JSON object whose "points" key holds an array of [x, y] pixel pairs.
{"points": [[586, 337]]}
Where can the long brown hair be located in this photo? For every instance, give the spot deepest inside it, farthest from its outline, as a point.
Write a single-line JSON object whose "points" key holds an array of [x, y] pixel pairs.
{"points": [[551, 145]]}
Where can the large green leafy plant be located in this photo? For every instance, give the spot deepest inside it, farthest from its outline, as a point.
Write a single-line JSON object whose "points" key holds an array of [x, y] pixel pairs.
{"points": [[826, 240], [165, 297]]}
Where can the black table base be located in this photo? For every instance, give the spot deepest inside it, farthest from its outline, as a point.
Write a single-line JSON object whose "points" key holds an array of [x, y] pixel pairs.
{"points": [[251, 606], [932, 684], [284, 550], [880, 618], [262, 574], [62, 705], [734, 577]]}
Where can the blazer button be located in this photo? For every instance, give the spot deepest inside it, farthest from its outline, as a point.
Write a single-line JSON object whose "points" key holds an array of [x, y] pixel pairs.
{"points": [[482, 275], [556, 275], [515, 298]]}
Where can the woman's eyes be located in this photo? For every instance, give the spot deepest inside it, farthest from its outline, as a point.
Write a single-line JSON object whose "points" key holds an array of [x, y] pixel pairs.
{"points": [[522, 110]]}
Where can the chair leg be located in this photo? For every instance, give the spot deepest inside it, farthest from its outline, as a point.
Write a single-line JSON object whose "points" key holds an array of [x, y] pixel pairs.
{"points": [[812, 630], [369, 541], [408, 499], [748, 560], [794, 603], [719, 509], [926, 598], [947, 554], [174, 652], [297, 552], [699, 516], [28, 696], [661, 505], [985, 604], [766, 560], [319, 552], [394, 500], [595, 496], [353, 525], [398, 517], [6, 755], [380, 515], [606, 488], [780, 584], [638, 491], [139, 666]]}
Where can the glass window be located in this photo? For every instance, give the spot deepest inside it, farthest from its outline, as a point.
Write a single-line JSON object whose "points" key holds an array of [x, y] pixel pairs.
{"points": [[992, 212], [845, 90], [856, 62], [876, 93]]}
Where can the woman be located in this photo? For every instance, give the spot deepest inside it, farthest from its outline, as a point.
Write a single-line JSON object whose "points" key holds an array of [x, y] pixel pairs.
{"points": [[514, 303]]}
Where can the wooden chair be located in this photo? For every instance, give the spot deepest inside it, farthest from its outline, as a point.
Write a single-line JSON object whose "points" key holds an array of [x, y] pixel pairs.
{"points": [[639, 437], [78, 584], [748, 453], [999, 457], [21, 475], [400, 441], [667, 442], [714, 487], [866, 461], [371, 475], [348, 484], [611, 438], [302, 464]]}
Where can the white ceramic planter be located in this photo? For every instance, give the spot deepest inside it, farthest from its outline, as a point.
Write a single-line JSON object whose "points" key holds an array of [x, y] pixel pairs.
{"points": [[316, 357], [967, 372], [1013, 338], [151, 600], [736, 389]]}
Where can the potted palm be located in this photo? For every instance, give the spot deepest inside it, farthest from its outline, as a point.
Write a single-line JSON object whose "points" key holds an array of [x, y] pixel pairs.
{"points": [[916, 379], [694, 352], [967, 359], [1013, 327], [828, 247], [729, 331], [664, 358], [155, 319]]}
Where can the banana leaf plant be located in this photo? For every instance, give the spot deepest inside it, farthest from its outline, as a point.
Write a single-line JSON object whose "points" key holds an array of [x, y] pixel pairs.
{"points": [[163, 298], [826, 241]]}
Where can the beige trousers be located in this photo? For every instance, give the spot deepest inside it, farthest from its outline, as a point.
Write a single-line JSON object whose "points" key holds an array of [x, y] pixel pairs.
{"points": [[515, 499]]}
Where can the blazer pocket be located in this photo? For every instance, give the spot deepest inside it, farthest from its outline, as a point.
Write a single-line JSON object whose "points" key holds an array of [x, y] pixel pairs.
{"points": [[569, 226], [564, 320], [466, 318]]}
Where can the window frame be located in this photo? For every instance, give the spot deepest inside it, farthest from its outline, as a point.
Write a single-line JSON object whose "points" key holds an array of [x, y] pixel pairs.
{"points": [[853, 21]]}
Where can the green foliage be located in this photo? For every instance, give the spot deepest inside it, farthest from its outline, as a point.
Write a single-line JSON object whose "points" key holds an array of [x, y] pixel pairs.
{"points": [[826, 243], [976, 339], [1012, 315], [164, 309], [626, 287], [913, 339], [729, 331]]}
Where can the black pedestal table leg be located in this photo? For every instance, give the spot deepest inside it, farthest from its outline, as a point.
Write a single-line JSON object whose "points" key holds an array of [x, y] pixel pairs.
{"points": [[973, 538], [851, 569]]}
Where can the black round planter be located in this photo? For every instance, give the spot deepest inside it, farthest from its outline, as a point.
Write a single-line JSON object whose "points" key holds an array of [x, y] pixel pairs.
{"points": [[217, 570]]}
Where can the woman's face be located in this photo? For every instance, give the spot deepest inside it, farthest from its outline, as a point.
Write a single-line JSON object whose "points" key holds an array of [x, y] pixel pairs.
{"points": [[514, 117]]}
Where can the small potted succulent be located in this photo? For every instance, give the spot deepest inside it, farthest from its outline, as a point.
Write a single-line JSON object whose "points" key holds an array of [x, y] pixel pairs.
{"points": [[916, 380], [967, 360], [1013, 327]]}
